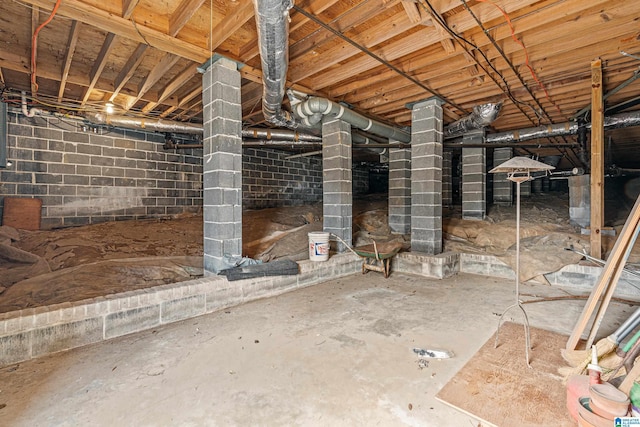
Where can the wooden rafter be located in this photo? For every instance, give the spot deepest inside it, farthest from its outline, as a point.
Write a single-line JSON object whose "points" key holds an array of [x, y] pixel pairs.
{"points": [[236, 19], [411, 8], [183, 101], [172, 87], [182, 15], [128, 6], [71, 48], [152, 78], [250, 50], [99, 65], [597, 160], [128, 70]]}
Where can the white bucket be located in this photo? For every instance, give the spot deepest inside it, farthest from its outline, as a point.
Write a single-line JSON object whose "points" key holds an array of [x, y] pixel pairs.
{"points": [[318, 246]]}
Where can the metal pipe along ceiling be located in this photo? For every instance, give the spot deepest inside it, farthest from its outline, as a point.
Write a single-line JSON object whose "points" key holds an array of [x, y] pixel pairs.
{"points": [[272, 23], [562, 129], [310, 111]]}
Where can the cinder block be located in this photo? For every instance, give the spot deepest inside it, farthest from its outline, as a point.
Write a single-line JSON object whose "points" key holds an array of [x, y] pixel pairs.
{"points": [[184, 308], [65, 336], [15, 348], [129, 321]]}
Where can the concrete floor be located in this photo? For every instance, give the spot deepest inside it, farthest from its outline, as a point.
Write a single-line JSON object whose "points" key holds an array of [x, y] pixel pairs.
{"points": [[335, 354]]}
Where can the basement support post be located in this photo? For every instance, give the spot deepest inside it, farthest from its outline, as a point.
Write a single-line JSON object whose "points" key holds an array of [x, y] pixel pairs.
{"points": [[597, 160], [426, 177], [222, 164], [474, 177], [447, 179], [337, 181], [399, 190], [502, 188]]}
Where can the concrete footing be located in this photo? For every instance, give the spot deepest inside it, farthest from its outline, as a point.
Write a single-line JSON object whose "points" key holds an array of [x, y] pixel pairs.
{"points": [[34, 332]]}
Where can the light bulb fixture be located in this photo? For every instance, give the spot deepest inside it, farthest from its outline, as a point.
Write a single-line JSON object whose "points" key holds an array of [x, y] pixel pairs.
{"points": [[9, 163], [109, 107]]}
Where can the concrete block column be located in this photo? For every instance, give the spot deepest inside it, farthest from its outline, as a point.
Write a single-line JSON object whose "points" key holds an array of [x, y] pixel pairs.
{"points": [[502, 188], [222, 164], [399, 190], [337, 192], [474, 177], [447, 178], [580, 200], [426, 177]]}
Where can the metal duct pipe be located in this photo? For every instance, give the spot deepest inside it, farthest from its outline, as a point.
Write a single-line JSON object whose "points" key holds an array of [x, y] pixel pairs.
{"points": [[286, 134], [155, 125], [562, 129], [310, 111], [272, 23], [482, 115]]}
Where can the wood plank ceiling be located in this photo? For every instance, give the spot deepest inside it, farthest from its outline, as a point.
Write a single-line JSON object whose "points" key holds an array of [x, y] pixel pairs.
{"points": [[141, 55]]}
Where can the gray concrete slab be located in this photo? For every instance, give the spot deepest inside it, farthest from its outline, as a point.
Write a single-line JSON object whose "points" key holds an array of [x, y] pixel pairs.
{"points": [[334, 354]]}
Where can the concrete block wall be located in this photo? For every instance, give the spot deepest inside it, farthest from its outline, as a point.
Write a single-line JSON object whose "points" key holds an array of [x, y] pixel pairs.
{"points": [[90, 175], [35, 332], [270, 180]]}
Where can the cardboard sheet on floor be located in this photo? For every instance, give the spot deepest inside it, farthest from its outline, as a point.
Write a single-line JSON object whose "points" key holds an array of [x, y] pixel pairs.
{"points": [[496, 386]]}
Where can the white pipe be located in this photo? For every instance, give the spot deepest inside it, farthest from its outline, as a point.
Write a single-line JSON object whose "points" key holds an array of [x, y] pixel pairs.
{"points": [[25, 111]]}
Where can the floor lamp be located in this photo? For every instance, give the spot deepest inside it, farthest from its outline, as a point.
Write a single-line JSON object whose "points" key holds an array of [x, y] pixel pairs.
{"points": [[518, 170]]}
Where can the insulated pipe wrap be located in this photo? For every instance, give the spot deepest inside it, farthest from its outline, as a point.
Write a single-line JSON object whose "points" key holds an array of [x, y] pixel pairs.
{"points": [[308, 110], [272, 22]]}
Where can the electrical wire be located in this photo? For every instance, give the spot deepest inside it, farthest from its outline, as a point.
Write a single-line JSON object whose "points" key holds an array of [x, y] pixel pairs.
{"points": [[34, 41], [526, 53], [460, 39], [513, 69], [377, 58]]}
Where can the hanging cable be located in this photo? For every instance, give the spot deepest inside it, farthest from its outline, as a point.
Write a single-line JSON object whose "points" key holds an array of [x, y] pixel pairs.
{"points": [[510, 64], [34, 41], [377, 58], [461, 42], [526, 53]]}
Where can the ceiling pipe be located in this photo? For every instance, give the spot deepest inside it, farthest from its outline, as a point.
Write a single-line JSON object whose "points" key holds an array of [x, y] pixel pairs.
{"points": [[154, 125], [272, 23], [311, 109], [562, 129], [28, 113], [481, 116]]}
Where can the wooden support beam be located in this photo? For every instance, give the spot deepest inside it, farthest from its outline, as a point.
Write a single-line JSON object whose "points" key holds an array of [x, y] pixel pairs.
{"points": [[597, 160], [99, 65], [71, 48], [128, 70], [411, 8], [182, 15], [173, 86], [231, 23], [152, 78], [127, 7]]}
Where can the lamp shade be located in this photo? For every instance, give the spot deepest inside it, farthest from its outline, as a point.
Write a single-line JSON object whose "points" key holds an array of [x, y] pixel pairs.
{"points": [[521, 164]]}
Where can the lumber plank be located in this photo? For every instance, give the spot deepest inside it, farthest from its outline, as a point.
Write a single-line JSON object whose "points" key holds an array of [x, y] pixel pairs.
{"points": [[604, 279], [632, 375], [597, 159]]}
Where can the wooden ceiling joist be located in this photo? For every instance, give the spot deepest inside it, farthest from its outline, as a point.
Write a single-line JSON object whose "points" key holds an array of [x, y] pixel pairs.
{"points": [[99, 65], [175, 84], [71, 48], [185, 11]]}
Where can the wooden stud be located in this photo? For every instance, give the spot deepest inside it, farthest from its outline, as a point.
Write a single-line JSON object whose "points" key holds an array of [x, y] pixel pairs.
{"points": [[71, 48], [98, 65], [604, 281], [597, 160]]}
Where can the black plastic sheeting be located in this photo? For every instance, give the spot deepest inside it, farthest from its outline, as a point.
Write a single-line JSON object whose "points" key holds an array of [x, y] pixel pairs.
{"points": [[283, 267]]}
